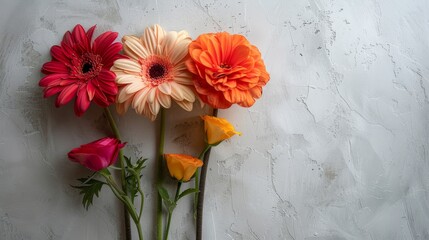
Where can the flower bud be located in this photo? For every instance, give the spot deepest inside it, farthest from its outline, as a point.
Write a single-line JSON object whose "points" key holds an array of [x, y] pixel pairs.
{"points": [[218, 129], [97, 155], [181, 166]]}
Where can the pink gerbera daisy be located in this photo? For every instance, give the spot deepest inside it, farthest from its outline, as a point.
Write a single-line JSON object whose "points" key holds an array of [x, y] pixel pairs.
{"points": [[81, 68], [155, 75]]}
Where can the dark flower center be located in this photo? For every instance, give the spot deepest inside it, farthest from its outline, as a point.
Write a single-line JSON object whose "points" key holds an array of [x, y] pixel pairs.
{"points": [[225, 66], [86, 67], [156, 71], [223, 71]]}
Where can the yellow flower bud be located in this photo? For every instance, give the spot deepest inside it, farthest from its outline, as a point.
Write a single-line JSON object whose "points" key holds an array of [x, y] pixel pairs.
{"points": [[218, 129], [181, 166]]}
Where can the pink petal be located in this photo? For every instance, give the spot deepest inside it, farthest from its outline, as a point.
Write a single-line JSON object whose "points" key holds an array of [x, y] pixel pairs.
{"points": [[101, 99], [66, 95], [90, 89], [90, 32], [110, 54], [79, 37], [110, 89], [52, 79], [111, 98], [55, 67], [107, 152], [82, 102], [106, 76], [67, 39], [58, 54], [102, 42], [66, 82], [96, 164], [91, 161], [52, 91], [69, 50]]}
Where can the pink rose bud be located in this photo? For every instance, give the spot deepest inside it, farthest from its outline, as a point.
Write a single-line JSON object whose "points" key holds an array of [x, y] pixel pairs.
{"points": [[97, 155]]}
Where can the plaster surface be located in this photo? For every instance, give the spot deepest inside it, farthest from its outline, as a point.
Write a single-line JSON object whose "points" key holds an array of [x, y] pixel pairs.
{"points": [[336, 148]]}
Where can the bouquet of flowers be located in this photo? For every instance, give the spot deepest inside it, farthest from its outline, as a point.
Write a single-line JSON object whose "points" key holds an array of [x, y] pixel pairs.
{"points": [[149, 73]]}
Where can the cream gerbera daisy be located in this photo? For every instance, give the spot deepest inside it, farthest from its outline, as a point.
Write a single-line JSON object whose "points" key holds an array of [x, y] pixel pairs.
{"points": [[155, 72]]}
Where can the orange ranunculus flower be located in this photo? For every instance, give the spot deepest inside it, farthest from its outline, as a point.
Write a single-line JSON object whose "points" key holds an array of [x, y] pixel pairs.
{"points": [[181, 166], [218, 129], [227, 70]]}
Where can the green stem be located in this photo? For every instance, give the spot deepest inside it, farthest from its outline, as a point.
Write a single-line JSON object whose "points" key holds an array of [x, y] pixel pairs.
{"points": [[197, 178], [112, 123], [159, 175], [201, 188], [118, 136], [141, 195], [122, 166], [125, 200], [207, 147], [170, 212]]}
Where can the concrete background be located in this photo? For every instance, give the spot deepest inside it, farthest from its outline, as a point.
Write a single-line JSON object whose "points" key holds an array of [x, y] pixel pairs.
{"points": [[337, 148]]}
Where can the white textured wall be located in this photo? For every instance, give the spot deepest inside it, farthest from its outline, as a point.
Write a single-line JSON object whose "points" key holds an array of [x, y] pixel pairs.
{"points": [[337, 148]]}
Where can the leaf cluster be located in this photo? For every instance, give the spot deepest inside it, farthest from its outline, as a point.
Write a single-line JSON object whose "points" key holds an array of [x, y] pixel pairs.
{"points": [[171, 203], [133, 176], [88, 188]]}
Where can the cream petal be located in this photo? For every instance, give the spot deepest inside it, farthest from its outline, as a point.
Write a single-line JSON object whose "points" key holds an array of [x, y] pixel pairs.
{"points": [[159, 49], [143, 108], [127, 79], [188, 94], [151, 95], [124, 95], [154, 107], [185, 105], [116, 70], [183, 35], [139, 99], [152, 37], [165, 88], [159, 32], [127, 65], [179, 52], [140, 103], [164, 100], [119, 73], [148, 40], [180, 92], [152, 117], [122, 108], [169, 42], [127, 104], [130, 53], [180, 67], [134, 87], [185, 79], [146, 111], [135, 45], [130, 37], [176, 92]]}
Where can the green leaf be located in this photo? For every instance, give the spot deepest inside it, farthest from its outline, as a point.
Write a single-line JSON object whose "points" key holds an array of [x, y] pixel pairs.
{"points": [[133, 176], [88, 189], [163, 193], [187, 192], [169, 204], [128, 161]]}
